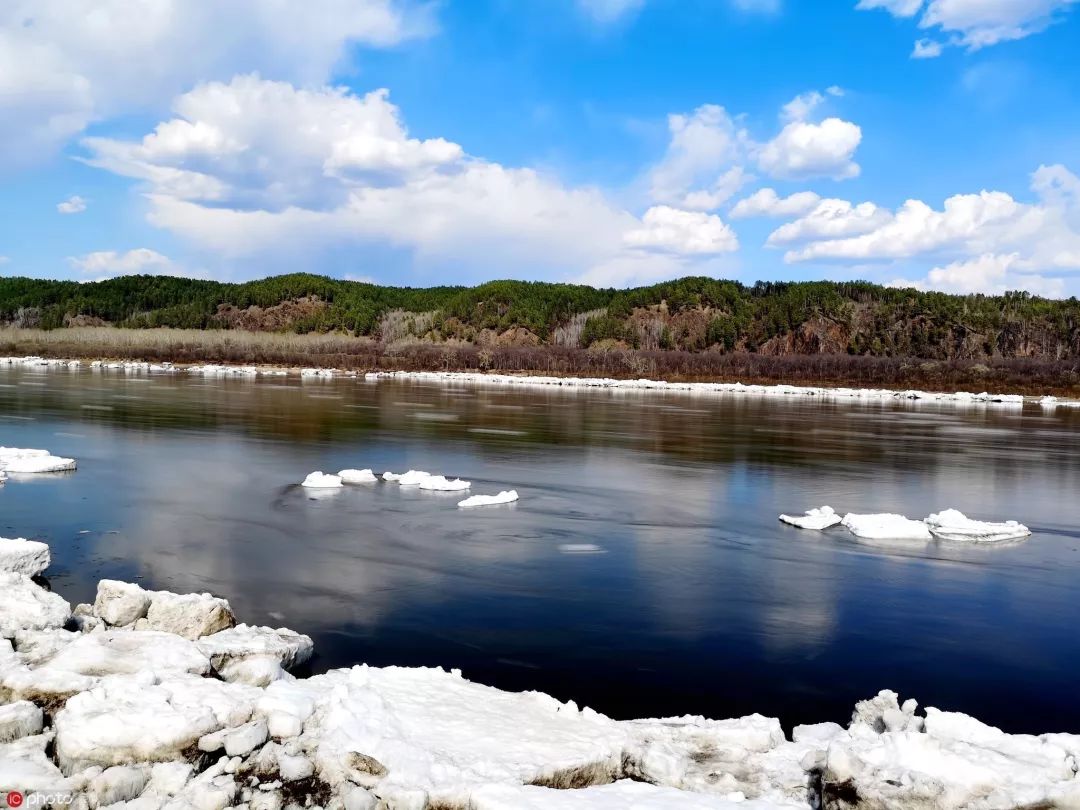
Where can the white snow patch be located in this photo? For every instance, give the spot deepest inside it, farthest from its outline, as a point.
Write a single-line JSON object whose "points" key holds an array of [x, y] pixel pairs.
{"points": [[886, 527], [320, 480], [820, 518], [622, 795], [509, 496], [954, 525]]}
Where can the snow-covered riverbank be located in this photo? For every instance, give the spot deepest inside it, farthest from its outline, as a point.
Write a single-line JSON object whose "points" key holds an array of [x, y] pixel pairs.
{"points": [[149, 699], [961, 398]]}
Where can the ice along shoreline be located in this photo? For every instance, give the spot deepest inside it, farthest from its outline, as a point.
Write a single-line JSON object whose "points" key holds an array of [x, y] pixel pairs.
{"points": [[525, 380], [151, 699]]}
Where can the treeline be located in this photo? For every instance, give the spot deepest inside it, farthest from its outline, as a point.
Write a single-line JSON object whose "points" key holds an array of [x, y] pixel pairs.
{"points": [[692, 314]]}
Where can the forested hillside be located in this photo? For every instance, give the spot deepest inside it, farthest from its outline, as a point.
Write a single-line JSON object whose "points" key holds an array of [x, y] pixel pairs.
{"points": [[690, 314]]}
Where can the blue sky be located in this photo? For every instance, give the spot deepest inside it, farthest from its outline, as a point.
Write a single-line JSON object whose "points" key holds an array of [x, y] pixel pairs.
{"points": [[931, 143]]}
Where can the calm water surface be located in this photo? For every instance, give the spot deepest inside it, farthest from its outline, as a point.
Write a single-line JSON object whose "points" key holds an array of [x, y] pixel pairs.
{"points": [[694, 600]]}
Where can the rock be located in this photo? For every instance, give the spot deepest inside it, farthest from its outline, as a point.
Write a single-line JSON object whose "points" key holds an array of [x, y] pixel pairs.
{"points": [[19, 719], [120, 603], [23, 556], [191, 615], [137, 718], [255, 655], [25, 605]]}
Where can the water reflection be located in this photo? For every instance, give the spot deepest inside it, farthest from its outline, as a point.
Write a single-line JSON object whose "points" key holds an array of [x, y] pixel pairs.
{"points": [[643, 571]]}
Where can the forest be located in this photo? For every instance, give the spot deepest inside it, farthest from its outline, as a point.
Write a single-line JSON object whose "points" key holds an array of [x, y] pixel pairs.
{"points": [[693, 314]]}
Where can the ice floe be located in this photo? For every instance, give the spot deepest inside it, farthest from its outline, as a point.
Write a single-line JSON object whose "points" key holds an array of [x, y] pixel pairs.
{"points": [[412, 478], [23, 556], [507, 496], [357, 477], [29, 461], [819, 518], [886, 527], [321, 480], [143, 719], [954, 525], [440, 483]]}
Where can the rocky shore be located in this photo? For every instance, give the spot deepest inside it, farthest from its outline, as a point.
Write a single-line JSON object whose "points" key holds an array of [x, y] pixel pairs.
{"points": [[151, 699]]}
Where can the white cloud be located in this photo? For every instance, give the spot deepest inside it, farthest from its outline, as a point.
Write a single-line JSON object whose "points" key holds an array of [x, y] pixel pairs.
{"points": [[831, 219], [802, 106], [72, 205], [989, 274], [671, 230], [259, 168], [608, 11], [927, 49], [109, 263], [976, 24], [899, 8], [1041, 236], [64, 65], [766, 202], [803, 150], [726, 186], [703, 144]]}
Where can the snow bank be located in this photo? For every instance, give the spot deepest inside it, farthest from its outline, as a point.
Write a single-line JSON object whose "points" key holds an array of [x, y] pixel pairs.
{"points": [[622, 795], [23, 556], [886, 527], [954, 525], [319, 480], [439, 483], [509, 496], [357, 477], [820, 518]]}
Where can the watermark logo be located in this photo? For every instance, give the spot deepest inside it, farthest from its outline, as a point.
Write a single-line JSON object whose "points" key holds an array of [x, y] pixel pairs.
{"points": [[14, 798], [18, 799]]}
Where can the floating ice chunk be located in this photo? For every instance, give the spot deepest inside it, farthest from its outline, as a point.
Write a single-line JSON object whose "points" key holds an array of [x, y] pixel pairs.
{"points": [[39, 464], [622, 795], [255, 655], [320, 480], [440, 483], [509, 496], [24, 605], [412, 478], [820, 518], [133, 718], [954, 525], [23, 556], [886, 527], [357, 477], [580, 548]]}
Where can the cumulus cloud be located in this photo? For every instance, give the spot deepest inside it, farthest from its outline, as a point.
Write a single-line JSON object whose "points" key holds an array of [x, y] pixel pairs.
{"points": [[110, 263], [260, 168], [1024, 238], [64, 65], [709, 151], [804, 149], [766, 202], [975, 24], [671, 230], [831, 219], [989, 274], [72, 205]]}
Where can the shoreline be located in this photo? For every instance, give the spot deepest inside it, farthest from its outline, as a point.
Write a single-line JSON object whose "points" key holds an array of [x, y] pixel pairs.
{"points": [[526, 379], [164, 700]]}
